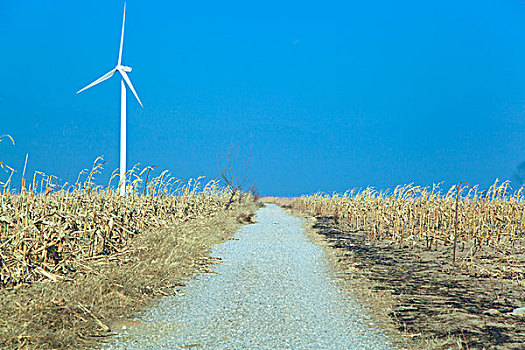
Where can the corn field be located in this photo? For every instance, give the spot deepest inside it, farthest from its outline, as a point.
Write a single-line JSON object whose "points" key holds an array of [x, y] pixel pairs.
{"points": [[489, 224], [48, 232]]}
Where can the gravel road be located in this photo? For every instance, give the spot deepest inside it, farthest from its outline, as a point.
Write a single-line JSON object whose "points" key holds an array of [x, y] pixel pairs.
{"points": [[274, 291]]}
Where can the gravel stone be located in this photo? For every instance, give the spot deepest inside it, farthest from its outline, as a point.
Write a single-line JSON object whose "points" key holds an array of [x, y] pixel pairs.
{"points": [[274, 291], [519, 312]]}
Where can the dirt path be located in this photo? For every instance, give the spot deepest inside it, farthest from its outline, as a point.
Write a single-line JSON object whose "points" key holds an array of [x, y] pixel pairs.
{"points": [[273, 290]]}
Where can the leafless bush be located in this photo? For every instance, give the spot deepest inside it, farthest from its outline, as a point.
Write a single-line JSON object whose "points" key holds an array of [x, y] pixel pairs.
{"points": [[235, 181]]}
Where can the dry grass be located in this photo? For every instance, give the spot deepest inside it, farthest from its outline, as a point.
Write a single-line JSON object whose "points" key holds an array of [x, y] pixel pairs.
{"points": [[76, 260], [63, 314]]}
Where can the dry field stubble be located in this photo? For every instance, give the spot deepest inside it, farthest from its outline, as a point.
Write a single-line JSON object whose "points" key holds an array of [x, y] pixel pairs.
{"points": [[400, 246], [75, 260]]}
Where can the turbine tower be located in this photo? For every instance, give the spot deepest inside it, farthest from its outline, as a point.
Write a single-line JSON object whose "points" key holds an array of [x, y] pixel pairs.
{"points": [[123, 70]]}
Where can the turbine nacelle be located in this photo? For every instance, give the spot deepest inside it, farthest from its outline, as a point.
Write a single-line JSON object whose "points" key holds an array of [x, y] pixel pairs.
{"points": [[124, 68]]}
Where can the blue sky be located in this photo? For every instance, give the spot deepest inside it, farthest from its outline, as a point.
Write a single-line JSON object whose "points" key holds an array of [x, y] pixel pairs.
{"points": [[329, 95]]}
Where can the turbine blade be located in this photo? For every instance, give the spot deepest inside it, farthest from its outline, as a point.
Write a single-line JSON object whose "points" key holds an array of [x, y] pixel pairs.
{"points": [[99, 80], [122, 36], [126, 79]]}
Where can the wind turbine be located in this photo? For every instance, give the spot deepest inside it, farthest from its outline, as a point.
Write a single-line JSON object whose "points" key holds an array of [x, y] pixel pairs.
{"points": [[123, 70]]}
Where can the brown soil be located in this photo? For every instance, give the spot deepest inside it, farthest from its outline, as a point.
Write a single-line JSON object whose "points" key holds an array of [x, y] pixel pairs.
{"points": [[425, 300], [102, 295]]}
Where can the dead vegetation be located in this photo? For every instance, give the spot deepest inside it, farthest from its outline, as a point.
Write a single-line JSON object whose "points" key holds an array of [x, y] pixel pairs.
{"points": [[101, 296], [235, 181], [76, 260], [426, 300], [49, 233], [488, 225]]}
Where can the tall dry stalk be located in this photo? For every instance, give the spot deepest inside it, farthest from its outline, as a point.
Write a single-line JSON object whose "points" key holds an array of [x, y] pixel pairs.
{"points": [[47, 231], [480, 221]]}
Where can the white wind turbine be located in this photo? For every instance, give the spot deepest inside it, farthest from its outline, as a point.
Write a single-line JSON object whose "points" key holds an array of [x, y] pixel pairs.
{"points": [[123, 70]]}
